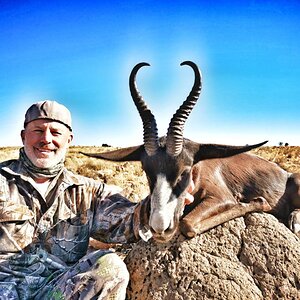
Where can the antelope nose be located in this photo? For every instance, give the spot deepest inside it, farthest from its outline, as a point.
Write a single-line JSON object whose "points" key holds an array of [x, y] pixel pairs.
{"points": [[159, 223]]}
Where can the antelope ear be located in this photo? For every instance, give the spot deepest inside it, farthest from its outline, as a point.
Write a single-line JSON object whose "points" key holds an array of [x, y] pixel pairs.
{"points": [[208, 151], [124, 154]]}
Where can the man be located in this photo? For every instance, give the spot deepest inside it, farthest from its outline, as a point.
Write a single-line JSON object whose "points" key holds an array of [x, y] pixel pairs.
{"points": [[48, 214]]}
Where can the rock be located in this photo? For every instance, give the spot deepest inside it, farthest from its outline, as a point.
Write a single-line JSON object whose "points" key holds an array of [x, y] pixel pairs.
{"points": [[252, 257]]}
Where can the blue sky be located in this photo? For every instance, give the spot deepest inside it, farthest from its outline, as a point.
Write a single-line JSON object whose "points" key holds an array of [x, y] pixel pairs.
{"points": [[80, 53]]}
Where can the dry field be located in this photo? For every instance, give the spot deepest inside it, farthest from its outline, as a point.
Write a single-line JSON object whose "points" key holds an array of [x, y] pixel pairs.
{"points": [[130, 176], [127, 175]]}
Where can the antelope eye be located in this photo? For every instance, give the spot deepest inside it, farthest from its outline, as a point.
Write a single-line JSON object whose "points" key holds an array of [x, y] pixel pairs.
{"points": [[183, 179]]}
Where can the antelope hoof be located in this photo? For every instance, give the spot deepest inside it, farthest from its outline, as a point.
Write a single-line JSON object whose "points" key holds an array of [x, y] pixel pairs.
{"points": [[187, 229], [294, 222], [261, 203]]}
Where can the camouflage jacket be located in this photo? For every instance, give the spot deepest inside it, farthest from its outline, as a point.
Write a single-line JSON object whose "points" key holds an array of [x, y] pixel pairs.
{"points": [[63, 221]]}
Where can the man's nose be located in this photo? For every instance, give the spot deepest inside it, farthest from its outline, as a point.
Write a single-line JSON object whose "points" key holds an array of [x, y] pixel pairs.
{"points": [[46, 137]]}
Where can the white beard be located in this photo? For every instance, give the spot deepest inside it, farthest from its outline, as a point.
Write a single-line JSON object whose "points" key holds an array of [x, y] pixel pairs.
{"points": [[46, 162]]}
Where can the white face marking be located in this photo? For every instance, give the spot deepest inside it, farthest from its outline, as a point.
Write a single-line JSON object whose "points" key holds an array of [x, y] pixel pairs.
{"points": [[162, 205]]}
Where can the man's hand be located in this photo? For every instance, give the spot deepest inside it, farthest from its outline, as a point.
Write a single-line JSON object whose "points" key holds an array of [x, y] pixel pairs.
{"points": [[110, 189]]}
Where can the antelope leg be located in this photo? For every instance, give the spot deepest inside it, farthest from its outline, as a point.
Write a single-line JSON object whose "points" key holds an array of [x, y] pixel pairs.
{"points": [[191, 227]]}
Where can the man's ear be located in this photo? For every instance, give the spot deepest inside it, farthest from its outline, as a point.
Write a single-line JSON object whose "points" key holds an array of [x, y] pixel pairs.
{"points": [[70, 139], [22, 135]]}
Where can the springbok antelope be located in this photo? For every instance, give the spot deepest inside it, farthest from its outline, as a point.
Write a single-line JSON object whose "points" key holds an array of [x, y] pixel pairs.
{"points": [[228, 182]]}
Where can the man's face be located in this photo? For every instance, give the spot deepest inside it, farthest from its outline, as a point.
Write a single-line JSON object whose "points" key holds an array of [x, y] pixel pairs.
{"points": [[46, 142]]}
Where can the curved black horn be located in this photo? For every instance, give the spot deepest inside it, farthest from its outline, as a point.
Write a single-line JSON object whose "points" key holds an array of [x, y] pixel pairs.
{"points": [[149, 123], [175, 130]]}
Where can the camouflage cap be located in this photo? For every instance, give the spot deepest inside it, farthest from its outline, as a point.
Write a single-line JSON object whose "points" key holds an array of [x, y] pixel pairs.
{"points": [[50, 110]]}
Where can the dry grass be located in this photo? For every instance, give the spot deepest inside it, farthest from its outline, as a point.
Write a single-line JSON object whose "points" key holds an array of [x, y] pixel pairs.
{"points": [[287, 157], [7, 153], [130, 176]]}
